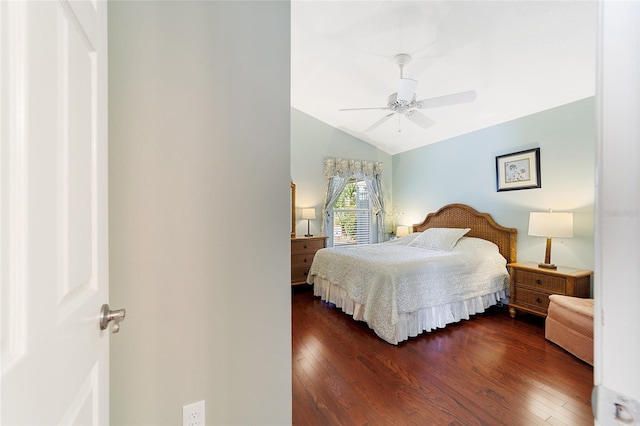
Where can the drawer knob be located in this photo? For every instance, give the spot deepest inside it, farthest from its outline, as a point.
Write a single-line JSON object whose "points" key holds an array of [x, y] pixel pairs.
{"points": [[305, 246], [305, 260], [538, 300], [538, 281]]}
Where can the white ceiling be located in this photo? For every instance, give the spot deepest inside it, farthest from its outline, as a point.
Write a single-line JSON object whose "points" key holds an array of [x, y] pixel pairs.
{"points": [[520, 58]]}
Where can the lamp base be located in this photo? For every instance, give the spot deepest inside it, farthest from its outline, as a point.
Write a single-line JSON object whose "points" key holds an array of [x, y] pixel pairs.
{"points": [[308, 234], [547, 266], [547, 257]]}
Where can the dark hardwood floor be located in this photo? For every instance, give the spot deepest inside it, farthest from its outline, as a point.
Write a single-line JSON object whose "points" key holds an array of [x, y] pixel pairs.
{"points": [[490, 370]]}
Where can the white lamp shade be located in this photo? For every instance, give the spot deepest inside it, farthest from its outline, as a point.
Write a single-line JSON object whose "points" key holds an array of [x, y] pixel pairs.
{"points": [[401, 231], [551, 224], [308, 213]]}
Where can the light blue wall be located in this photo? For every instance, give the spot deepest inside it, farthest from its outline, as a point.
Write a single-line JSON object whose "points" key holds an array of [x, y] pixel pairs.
{"points": [[311, 142], [462, 170]]}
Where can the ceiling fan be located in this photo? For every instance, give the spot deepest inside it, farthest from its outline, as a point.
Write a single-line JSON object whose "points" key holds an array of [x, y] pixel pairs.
{"points": [[404, 102]]}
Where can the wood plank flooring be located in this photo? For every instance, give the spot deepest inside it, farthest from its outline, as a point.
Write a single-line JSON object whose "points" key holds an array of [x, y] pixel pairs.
{"points": [[491, 370]]}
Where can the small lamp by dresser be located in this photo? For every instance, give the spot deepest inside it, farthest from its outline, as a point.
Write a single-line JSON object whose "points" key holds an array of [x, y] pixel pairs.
{"points": [[308, 214], [402, 231], [550, 225]]}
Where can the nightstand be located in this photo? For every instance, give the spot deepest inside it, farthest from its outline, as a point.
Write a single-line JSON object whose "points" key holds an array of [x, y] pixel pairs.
{"points": [[532, 285], [302, 252]]}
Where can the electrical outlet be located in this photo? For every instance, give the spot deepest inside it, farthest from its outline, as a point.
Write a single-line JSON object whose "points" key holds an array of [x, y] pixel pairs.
{"points": [[193, 414]]}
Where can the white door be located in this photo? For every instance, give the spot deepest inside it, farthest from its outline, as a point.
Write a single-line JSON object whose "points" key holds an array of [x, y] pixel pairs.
{"points": [[54, 266], [617, 271]]}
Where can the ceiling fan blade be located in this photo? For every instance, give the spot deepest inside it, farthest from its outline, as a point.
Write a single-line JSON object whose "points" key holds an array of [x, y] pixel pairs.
{"points": [[379, 122], [361, 109], [454, 98], [406, 89], [419, 118]]}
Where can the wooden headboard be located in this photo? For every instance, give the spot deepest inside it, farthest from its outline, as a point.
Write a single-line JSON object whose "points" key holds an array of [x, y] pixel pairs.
{"points": [[482, 226]]}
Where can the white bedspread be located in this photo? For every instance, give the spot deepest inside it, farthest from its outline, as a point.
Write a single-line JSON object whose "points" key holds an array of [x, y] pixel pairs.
{"points": [[388, 280]]}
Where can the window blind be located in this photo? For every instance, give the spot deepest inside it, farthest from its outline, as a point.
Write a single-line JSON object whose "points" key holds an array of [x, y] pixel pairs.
{"points": [[352, 220]]}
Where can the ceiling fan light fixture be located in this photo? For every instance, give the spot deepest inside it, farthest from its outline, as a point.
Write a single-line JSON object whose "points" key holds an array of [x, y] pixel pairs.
{"points": [[406, 90], [404, 102]]}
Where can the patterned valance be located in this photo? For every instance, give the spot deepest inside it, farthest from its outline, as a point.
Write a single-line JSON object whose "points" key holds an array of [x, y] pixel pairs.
{"points": [[352, 169]]}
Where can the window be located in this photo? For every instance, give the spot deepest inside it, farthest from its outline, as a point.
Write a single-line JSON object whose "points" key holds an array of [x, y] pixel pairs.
{"points": [[352, 215]]}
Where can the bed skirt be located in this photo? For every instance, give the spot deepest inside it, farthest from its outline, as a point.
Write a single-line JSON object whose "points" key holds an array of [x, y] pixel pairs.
{"points": [[411, 324]]}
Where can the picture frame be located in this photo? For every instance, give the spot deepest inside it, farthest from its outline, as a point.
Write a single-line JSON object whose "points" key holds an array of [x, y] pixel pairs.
{"points": [[518, 170]]}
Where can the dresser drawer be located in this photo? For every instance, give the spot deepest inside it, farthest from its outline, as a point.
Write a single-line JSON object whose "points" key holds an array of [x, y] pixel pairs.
{"points": [[303, 251], [531, 298], [299, 275], [541, 281], [310, 246], [301, 260]]}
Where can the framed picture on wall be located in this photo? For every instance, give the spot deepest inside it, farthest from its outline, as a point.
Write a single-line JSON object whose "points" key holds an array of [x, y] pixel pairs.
{"points": [[519, 170]]}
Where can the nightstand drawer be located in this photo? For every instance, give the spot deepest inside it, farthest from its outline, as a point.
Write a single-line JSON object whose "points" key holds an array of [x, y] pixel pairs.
{"points": [[534, 299], [541, 281], [303, 251], [299, 275], [532, 285], [298, 260], [306, 246]]}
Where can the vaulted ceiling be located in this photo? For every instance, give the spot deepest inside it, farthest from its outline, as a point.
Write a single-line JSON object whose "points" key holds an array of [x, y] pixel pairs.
{"points": [[520, 58]]}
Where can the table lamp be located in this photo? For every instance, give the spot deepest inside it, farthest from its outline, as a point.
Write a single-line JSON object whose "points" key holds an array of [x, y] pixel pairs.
{"points": [[550, 225], [308, 214], [401, 231]]}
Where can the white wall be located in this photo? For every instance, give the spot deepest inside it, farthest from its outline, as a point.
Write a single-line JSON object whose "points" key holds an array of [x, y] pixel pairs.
{"points": [[463, 170], [311, 142], [199, 124]]}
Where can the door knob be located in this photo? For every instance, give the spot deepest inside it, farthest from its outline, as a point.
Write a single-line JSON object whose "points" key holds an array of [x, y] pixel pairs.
{"points": [[107, 315]]}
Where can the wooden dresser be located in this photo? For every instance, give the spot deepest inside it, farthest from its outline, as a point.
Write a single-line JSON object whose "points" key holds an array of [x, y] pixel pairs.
{"points": [[302, 251], [532, 285]]}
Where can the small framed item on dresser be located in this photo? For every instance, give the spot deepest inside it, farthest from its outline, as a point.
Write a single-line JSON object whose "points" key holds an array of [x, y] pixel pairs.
{"points": [[303, 249]]}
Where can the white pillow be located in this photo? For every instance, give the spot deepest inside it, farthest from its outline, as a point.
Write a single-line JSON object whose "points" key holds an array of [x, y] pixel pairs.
{"points": [[443, 239], [476, 244]]}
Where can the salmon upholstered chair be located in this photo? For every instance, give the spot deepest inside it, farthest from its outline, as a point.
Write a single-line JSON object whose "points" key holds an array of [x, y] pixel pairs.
{"points": [[569, 324]]}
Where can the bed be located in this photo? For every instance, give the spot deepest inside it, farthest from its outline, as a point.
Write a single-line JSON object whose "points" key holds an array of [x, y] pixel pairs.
{"points": [[452, 266]]}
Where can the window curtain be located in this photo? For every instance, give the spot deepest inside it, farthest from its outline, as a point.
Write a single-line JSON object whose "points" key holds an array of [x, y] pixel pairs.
{"points": [[338, 172]]}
